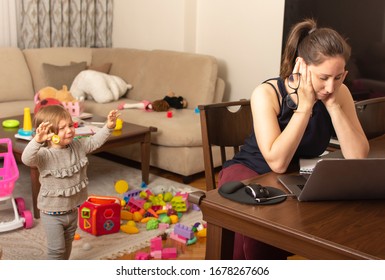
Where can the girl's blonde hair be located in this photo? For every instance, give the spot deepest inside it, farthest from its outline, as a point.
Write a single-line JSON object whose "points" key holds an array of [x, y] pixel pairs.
{"points": [[313, 44], [52, 114]]}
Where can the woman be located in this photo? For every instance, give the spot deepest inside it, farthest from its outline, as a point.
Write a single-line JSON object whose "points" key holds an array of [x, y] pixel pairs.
{"points": [[296, 114]]}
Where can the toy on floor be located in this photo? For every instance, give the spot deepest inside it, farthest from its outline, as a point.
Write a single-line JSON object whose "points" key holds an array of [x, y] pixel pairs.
{"points": [[9, 173], [160, 105], [100, 215]]}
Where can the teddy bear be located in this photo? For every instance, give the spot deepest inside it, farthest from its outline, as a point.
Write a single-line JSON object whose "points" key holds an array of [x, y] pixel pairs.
{"points": [[51, 96], [63, 95]]}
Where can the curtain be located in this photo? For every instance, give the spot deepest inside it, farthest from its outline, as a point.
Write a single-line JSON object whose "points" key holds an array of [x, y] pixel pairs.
{"points": [[65, 23], [8, 27]]}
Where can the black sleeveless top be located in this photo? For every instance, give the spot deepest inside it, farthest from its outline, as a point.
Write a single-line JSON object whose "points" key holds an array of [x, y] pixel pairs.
{"points": [[314, 141]]}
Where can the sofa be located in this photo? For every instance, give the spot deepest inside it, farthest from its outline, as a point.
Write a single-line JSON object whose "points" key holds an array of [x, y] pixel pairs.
{"points": [[177, 144]]}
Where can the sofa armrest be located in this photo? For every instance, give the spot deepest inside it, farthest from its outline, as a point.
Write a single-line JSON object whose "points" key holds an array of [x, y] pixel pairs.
{"points": [[219, 90]]}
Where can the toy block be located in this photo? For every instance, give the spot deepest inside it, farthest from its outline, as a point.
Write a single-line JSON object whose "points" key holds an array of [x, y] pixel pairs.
{"points": [[178, 238], [131, 193], [178, 204], [156, 244], [135, 205], [142, 256], [183, 231], [169, 253]]}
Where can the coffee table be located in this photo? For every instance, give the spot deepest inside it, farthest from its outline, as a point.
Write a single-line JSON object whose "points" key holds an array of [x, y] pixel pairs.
{"points": [[130, 134]]}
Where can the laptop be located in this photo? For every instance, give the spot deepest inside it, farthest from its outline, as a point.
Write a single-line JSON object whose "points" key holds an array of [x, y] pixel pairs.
{"points": [[339, 179]]}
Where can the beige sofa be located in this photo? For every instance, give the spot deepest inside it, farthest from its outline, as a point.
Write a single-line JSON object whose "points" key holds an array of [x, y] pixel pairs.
{"points": [[176, 146]]}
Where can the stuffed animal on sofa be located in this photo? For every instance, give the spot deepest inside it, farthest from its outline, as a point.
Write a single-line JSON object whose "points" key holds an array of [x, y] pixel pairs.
{"points": [[160, 105], [101, 87], [63, 95]]}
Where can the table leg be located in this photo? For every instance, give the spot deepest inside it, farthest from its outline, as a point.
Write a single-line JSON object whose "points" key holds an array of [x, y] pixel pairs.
{"points": [[145, 154], [219, 243], [35, 185]]}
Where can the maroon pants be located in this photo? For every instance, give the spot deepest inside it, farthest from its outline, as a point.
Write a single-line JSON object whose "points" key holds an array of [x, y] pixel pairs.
{"points": [[246, 248]]}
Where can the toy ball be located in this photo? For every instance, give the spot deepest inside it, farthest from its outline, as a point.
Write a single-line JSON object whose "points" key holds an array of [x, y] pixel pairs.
{"points": [[121, 186], [87, 247]]}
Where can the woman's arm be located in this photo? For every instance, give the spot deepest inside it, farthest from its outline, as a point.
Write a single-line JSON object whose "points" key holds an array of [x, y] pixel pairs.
{"points": [[350, 134], [277, 147]]}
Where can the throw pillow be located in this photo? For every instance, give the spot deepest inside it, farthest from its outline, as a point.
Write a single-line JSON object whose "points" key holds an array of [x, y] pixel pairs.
{"points": [[104, 68], [59, 76], [99, 86]]}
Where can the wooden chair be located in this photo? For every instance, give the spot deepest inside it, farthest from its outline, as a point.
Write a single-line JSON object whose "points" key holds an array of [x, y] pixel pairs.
{"points": [[225, 124], [371, 113]]}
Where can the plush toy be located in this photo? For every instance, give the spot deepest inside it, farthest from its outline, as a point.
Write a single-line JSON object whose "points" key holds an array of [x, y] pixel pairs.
{"points": [[51, 96], [98, 86], [161, 105], [63, 95]]}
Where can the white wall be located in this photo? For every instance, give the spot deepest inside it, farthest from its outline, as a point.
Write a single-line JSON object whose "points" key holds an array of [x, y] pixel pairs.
{"points": [[244, 35]]}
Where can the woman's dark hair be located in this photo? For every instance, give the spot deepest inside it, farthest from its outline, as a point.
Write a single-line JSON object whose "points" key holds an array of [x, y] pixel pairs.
{"points": [[313, 44]]}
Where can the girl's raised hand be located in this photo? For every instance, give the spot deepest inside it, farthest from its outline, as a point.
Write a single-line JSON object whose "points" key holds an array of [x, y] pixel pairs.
{"points": [[43, 132], [111, 118]]}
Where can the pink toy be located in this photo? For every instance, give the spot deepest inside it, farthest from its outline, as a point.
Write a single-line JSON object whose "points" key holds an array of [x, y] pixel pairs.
{"points": [[169, 253], [142, 256], [9, 173], [100, 215]]}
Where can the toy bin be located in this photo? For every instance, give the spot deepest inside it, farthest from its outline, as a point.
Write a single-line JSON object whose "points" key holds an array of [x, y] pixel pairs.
{"points": [[9, 173], [100, 215]]}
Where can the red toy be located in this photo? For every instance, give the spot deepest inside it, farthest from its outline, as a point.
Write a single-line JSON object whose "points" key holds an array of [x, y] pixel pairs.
{"points": [[100, 215]]}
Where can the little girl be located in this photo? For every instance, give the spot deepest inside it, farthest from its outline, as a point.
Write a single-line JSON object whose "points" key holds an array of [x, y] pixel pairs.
{"points": [[62, 163]]}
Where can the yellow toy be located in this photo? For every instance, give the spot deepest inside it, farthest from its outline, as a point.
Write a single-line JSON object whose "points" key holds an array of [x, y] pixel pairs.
{"points": [[121, 186]]}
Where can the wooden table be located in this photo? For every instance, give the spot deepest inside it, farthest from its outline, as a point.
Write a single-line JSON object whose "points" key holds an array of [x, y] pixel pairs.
{"points": [[315, 230], [130, 133]]}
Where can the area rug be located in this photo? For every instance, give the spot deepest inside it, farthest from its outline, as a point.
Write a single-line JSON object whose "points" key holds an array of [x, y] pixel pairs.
{"points": [[30, 244]]}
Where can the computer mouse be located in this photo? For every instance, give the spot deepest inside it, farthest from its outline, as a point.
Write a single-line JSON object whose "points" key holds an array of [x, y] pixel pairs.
{"points": [[231, 187], [257, 191]]}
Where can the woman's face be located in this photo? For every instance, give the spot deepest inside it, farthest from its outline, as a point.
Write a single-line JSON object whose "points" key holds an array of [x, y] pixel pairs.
{"points": [[328, 76]]}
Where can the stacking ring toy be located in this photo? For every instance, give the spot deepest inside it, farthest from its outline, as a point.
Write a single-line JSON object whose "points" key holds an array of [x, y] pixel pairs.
{"points": [[11, 123]]}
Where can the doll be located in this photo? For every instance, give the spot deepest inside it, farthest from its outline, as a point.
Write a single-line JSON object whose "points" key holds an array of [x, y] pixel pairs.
{"points": [[161, 105]]}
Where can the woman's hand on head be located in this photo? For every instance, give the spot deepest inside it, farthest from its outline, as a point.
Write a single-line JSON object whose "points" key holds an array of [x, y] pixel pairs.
{"points": [[306, 93], [111, 118], [43, 132]]}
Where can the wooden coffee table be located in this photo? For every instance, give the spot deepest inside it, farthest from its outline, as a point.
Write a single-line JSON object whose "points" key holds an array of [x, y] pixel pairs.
{"points": [[130, 134]]}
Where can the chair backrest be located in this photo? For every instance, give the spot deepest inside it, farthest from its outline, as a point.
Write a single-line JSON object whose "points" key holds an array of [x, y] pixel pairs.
{"points": [[225, 124], [371, 113]]}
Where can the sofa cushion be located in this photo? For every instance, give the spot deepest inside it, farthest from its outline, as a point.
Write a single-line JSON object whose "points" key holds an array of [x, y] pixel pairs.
{"points": [[59, 76], [192, 76], [15, 82]]}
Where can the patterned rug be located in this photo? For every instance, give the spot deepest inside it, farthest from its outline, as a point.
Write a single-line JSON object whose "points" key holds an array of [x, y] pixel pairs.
{"points": [[29, 244]]}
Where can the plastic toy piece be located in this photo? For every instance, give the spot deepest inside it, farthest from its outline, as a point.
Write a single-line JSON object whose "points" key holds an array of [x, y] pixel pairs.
{"points": [[27, 123], [119, 124], [142, 256], [121, 186], [183, 231], [11, 123], [169, 114], [169, 253], [55, 139]]}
